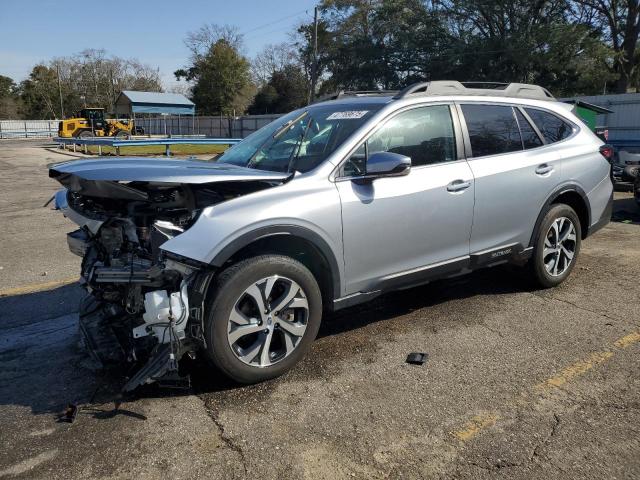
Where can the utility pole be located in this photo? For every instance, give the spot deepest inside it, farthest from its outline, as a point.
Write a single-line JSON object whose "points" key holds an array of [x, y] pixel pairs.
{"points": [[113, 93], [60, 91], [314, 65]]}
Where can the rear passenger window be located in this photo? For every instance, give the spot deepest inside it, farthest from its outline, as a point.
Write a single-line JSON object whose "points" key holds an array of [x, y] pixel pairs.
{"points": [[553, 129], [530, 138], [492, 129]]}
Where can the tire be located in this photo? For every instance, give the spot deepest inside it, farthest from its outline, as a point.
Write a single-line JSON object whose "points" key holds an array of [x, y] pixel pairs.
{"points": [[630, 173], [551, 255], [85, 134], [122, 135], [241, 355]]}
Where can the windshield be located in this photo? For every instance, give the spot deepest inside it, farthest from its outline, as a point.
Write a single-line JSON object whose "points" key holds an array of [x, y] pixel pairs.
{"points": [[301, 140]]}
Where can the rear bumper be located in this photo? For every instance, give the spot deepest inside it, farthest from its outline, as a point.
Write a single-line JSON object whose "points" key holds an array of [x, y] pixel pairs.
{"points": [[604, 219]]}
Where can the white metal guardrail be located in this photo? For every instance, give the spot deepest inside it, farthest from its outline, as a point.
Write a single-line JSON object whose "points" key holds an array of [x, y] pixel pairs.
{"points": [[141, 142], [28, 128]]}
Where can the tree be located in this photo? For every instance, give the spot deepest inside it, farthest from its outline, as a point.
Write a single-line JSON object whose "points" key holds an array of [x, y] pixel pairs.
{"points": [[388, 44], [286, 90], [39, 93], [618, 22], [373, 44], [199, 42], [8, 98], [89, 78], [264, 100], [221, 80], [271, 59]]}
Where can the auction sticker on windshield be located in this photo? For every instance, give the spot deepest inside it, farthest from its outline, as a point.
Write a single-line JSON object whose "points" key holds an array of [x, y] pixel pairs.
{"points": [[347, 115]]}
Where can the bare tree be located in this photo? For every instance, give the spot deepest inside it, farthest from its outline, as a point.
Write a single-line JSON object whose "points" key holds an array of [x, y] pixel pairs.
{"points": [[272, 58], [200, 41], [619, 22]]}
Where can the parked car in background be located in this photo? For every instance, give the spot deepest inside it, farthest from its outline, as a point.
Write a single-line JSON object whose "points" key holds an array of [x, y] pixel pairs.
{"points": [[625, 161], [326, 207], [634, 172]]}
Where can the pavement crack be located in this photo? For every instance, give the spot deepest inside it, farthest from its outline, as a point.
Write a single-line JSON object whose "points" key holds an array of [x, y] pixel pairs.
{"points": [[226, 439], [545, 442], [493, 466], [492, 330], [580, 307]]}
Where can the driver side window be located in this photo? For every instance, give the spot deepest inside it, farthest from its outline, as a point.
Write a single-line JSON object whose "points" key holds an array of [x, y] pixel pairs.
{"points": [[424, 134]]}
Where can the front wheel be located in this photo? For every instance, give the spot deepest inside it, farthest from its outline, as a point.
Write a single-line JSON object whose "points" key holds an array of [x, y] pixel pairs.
{"points": [[85, 134], [122, 135], [263, 317], [556, 247]]}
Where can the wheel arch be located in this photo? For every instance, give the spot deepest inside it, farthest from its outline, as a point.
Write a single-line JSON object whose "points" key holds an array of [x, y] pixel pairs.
{"points": [[572, 195], [294, 241]]}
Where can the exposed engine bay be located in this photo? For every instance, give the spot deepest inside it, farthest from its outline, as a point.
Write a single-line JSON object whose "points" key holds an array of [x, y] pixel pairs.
{"points": [[143, 312]]}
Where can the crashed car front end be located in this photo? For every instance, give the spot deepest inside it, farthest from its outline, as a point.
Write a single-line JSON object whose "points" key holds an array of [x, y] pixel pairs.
{"points": [[143, 311]]}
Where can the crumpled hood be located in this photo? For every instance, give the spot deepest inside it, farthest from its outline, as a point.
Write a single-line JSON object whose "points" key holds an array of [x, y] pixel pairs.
{"points": [[159, 170]]}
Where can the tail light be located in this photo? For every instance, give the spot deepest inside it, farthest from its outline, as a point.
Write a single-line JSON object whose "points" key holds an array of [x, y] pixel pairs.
{"points": [[607, 152]]}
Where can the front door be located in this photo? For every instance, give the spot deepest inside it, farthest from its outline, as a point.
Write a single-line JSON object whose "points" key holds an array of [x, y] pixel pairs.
{"points": [[397, 229]]}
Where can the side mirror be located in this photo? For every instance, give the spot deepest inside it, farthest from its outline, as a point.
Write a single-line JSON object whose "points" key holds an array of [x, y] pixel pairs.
{"points": [[386, 164]]}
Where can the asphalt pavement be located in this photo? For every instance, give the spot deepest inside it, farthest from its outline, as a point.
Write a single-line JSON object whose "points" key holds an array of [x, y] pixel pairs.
{"points": [[519, 383]]}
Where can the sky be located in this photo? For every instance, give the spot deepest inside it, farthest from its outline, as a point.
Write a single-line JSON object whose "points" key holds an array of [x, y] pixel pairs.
{"points": [[33, 31]]}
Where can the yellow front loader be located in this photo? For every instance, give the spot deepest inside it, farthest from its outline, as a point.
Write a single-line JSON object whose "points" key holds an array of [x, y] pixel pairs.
{"points": [[90, 122]]}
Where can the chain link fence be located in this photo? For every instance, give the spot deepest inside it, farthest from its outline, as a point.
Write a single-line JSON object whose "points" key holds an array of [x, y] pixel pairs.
{"points": [[213, 126]]}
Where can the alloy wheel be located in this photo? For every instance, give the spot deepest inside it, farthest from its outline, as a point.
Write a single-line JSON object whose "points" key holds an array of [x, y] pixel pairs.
{"points": [[268, 321], [559, 246]]}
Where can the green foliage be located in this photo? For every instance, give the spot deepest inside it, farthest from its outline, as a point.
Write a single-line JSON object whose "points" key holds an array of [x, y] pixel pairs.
{"points": [[387, 44], [7, 87], [39, 93], [9, 101], [219, 75], [286, 90], [221, 80]]}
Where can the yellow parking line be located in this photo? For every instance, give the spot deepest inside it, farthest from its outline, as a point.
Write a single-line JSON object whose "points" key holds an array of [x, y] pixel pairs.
{"points": [[36, 287], [476, 424], [627, 340], [576, 369], [484, 421]]}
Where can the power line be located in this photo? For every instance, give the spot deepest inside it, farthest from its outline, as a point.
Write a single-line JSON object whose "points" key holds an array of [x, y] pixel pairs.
{"points": [[259, 27]]}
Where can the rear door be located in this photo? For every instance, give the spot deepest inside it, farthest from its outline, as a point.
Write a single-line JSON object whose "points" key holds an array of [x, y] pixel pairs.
{"points": [[396, 230], [514, 173]]}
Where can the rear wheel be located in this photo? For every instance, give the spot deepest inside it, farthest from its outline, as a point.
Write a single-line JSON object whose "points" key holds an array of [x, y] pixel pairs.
{"points": [[556, 247], [265, 314]]}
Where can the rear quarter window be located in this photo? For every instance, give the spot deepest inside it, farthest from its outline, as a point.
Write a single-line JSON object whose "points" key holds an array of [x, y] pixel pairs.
{"points": [[552, 127]]}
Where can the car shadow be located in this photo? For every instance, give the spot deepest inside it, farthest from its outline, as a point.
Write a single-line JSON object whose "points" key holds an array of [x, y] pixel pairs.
{"points": [[45, 368], [626, 210]]}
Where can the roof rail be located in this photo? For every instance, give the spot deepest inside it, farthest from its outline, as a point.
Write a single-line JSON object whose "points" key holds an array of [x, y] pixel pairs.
{"points": [[452, 87], [354, 93]]}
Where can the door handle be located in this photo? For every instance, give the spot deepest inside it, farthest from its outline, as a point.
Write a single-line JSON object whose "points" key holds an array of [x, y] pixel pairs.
{"points": [[458, 186], [544, 169]]}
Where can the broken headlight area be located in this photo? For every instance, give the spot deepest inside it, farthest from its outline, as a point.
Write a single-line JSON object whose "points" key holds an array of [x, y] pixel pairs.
{"points": [[137, 315], [144, 309]]}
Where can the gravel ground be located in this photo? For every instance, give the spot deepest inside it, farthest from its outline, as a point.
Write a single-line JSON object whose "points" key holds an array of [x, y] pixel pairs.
{"points": [[519, 383]]}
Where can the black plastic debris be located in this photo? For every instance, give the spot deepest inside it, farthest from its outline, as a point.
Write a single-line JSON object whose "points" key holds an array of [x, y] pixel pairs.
{"points": [[416, 358], [70, 413], [173, 380]]}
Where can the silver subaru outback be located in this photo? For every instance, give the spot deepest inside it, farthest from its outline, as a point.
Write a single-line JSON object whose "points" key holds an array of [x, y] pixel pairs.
{"points": [[327, 207]]}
